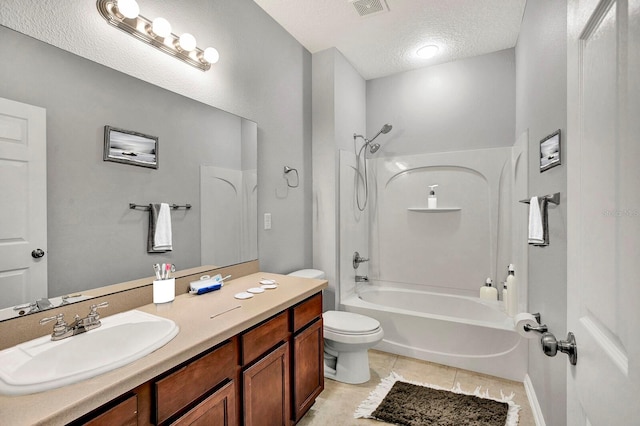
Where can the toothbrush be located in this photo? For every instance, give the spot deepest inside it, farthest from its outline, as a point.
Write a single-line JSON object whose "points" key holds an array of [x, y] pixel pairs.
{"points": [[156, 269]]}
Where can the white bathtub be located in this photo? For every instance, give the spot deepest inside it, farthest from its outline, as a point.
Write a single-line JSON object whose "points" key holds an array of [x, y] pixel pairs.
{"points": [[458, 331]]}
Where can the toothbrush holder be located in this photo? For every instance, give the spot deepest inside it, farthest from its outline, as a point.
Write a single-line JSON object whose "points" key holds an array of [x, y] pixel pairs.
{"points": [[164, 290]]}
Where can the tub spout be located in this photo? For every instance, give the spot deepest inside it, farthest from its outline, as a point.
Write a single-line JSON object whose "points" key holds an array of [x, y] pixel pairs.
{"points": [[362, 279]]}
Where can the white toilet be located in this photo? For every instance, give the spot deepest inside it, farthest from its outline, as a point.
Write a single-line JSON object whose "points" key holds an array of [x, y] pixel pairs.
{"points": [[347, 337]]}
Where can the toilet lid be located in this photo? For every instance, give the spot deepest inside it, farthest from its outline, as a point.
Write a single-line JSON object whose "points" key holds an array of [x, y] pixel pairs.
{"points": [[349, 322]]}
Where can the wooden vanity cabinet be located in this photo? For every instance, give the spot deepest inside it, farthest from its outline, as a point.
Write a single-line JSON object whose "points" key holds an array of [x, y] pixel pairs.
{"points": [[270, 374]]}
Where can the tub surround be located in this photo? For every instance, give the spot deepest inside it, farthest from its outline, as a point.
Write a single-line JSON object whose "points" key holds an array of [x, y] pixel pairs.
{"points": [[198, 333]]}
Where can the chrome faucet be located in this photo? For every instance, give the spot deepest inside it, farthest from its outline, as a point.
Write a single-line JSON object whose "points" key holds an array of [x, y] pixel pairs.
{"points": [[39, 305], [62, 330], [357, 260], [362, 279]]}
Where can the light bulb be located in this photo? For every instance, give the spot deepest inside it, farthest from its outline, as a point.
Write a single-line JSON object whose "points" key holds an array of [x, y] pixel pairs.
{"points": [[128, 8], [187, 42], [210, 55], [161, 27], [428, 51]]}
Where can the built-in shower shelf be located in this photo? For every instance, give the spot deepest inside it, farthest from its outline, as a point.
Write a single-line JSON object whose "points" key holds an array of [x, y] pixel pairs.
{"points": [[436, 210]]}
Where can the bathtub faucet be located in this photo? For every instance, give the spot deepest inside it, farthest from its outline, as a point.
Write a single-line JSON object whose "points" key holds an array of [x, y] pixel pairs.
{"points": [[357, 260], [362, 279]]}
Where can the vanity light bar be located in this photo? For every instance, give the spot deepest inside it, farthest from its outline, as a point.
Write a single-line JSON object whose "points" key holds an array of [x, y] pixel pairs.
{"points": [[181, 47]]}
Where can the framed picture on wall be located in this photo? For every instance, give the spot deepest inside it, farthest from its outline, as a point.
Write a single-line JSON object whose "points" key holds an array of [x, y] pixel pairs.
{"points": [[129, 147], [550, 151]]}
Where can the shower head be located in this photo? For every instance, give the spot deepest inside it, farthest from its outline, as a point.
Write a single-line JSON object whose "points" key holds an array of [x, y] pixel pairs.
{"points": [[374, 147], [385, 129]]}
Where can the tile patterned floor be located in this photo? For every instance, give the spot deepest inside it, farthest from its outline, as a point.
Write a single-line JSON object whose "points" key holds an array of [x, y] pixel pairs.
{"points": [[337, 403]]}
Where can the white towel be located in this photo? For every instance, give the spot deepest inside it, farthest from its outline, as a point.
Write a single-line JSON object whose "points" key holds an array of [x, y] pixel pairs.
{"points": [[536, 229], [162, 236]]}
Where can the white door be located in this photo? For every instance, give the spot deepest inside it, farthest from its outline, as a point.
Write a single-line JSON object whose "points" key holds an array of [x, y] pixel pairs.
{"points": [[603, 179], [23, 203]]}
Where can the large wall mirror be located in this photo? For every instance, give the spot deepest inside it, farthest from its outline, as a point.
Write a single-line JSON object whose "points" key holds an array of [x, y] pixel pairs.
{"points": [[94, 238]]}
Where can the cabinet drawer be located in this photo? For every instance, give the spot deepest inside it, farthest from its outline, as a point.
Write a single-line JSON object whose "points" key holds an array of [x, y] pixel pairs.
{"points": [[257, 341], [125, 414], [181, 388], [307, 311]]}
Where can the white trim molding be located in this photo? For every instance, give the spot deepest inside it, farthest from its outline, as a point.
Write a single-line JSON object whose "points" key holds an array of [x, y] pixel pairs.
{"points": [[533, 402]]}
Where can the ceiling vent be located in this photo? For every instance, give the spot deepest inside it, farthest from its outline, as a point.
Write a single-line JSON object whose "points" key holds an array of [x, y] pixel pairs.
{"points": [[370, 7]]}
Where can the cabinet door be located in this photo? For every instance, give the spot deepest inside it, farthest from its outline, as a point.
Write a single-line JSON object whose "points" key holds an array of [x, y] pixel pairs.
{"points": [[308, 368], [217, 409], [266, 392]]}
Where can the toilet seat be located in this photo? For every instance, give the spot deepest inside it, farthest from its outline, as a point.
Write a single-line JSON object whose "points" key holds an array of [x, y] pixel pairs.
{"points": [[349, 323]]}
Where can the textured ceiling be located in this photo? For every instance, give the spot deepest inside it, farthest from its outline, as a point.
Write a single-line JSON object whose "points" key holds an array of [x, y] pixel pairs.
{"points": [[385, 43]]}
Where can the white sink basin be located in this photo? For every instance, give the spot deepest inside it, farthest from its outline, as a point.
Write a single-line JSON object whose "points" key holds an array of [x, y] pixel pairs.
{"points": [[42, 364]]}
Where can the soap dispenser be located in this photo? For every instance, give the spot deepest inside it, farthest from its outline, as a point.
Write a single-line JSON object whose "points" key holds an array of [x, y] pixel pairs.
{"points": [[488, 291], [432, 201]]}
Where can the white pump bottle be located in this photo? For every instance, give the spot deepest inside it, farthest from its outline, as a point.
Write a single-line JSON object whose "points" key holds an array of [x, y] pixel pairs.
{"points": [[488, 291], [512, 292]]}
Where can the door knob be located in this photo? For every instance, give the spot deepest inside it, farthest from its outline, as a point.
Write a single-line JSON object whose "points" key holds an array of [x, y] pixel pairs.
{"points": [[37, 253], [550, 346]]}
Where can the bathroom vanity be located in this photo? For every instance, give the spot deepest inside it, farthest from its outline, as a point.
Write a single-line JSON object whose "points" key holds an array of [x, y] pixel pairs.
{"points": [[261, 363]]}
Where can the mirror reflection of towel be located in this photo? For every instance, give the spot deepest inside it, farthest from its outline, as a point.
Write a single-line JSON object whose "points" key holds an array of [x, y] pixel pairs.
{"points": [[159, 238]]}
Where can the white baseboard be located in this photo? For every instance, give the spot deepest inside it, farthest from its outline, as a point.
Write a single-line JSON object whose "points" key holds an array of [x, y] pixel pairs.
{"points": [[533, 401]]}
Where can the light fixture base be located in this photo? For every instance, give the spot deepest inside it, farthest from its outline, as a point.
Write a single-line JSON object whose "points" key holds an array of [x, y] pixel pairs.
{"points": [[137, 27]]}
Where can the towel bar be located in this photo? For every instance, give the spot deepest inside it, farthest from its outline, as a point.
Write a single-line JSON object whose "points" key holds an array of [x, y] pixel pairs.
{"points": [[288, 170], [552, 198], [133, 206]]}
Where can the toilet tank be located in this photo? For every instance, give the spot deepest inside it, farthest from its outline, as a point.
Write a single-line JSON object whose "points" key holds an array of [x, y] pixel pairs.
{"points": [[308, 273]]}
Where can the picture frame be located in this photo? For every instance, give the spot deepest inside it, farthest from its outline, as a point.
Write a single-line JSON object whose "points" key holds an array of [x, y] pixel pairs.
{"points": [[130, 147], [550, 151]]}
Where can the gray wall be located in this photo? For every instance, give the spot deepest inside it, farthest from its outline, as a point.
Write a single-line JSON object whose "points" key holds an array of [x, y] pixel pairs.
{"points": [[541, 107], [465, 104], [265, 76], [338, 113]]}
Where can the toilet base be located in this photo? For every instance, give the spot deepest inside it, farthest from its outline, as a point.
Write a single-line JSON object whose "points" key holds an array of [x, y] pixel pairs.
{"points": [[350, 367]]}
